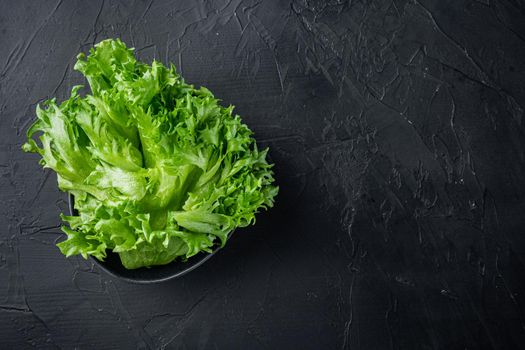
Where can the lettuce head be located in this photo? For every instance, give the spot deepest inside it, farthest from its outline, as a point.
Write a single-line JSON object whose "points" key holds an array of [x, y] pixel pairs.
{"points": [[158, 168]]}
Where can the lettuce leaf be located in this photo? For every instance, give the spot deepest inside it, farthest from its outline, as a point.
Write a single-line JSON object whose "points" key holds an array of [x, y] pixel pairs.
{"points": [[159, 169]]}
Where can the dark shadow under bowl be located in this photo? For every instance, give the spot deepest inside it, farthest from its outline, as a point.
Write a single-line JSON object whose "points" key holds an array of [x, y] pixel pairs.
{"points": [[146, 275]]}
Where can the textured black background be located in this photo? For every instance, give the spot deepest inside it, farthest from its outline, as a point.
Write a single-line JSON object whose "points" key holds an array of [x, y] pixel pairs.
{"points": [[397, 131]]}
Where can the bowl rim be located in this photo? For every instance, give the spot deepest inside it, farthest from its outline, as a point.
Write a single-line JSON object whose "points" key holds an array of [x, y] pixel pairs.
{"points": [[112, 273]]}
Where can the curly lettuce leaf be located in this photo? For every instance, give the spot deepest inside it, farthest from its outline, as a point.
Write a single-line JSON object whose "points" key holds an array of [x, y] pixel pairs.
{"points": [[159, 169]]}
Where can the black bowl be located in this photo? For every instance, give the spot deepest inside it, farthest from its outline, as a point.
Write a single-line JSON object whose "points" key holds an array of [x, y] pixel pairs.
{"points": [[146, 275]]}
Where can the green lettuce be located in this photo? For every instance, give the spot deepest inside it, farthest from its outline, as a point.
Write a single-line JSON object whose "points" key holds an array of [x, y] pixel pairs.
{"points": [[159, 169]]}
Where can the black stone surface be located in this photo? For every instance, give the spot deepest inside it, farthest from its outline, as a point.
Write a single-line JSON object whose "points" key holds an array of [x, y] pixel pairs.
{"points": [[397, 132]]}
